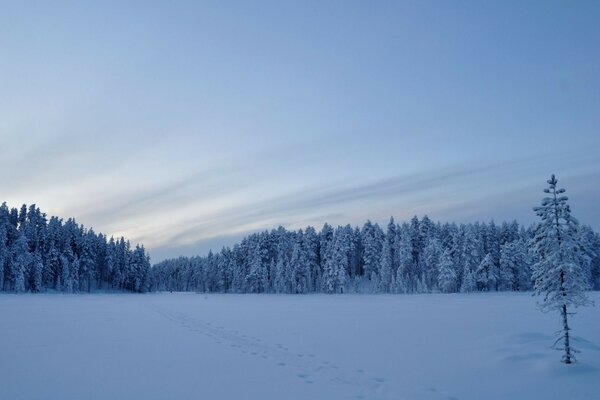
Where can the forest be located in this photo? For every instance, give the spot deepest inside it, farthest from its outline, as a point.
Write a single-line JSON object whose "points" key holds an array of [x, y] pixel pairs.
{"points": [[39, 254], [419, 256]]}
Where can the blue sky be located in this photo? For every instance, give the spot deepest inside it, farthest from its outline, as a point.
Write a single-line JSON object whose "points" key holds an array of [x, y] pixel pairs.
{"points": [[185, 125]]}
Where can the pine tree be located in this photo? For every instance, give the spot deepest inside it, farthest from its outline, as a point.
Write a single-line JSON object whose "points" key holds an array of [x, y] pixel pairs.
{"points": [[515, 272], [310, 246], [257, 275], [405, 275], [468, 283], [87, 262], [37, 268], [430, 260], [20, 260], [334, 272], [299, 269], [557, 274], [446, 274], [372, 236], [386, 271], [485, 275], [3, 254]]}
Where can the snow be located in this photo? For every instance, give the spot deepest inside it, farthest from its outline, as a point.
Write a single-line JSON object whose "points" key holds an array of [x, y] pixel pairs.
{"points": [[184, 346]]}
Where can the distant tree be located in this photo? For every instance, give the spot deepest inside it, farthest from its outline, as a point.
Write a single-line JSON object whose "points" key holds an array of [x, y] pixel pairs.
{"points": [[299, 269], [515, 271], [405, 274], [20, 262], [446, 273], [336, 264], [257, 276], [37, 268], [468, 282], [3, 254], [372, 238], [558, 274], [485, 275], [311, 253], [471, 255], [386, 272], [430, 260]]}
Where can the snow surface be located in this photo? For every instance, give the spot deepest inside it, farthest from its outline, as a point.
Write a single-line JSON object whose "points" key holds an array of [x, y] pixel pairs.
{"points": [[196, 346]]}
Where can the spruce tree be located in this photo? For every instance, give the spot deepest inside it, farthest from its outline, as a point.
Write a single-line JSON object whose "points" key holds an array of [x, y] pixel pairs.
{"points": [[557, 273], [446, 274]]}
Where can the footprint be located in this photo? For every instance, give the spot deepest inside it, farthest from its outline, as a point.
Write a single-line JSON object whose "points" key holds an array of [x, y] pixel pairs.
{"points": [[432, 389], [281, 364], [302, 375], [360, 371], [380, 380]]}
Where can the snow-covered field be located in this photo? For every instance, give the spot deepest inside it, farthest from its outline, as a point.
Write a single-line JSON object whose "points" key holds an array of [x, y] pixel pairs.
{"points": [[195, 346]]}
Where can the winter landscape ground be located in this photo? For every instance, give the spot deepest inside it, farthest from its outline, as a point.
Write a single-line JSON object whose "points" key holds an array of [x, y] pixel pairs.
{"points": [[185, 346]]}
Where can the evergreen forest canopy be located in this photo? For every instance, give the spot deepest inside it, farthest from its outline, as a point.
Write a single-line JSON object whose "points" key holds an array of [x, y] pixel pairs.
{"points": [[416, 257], [37, 254]]}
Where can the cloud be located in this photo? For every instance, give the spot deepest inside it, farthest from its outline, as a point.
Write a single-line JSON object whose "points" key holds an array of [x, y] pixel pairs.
{"points": [[450, 193], [404, 189]]}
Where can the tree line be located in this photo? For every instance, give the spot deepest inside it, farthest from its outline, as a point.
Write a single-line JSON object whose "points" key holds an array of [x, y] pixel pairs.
{"points": [[419, 256], [38, 254], [413, 257]]}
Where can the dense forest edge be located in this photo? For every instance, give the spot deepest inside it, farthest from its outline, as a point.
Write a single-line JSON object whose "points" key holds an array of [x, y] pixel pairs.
{"points": [[37, 254], [420, 256]]}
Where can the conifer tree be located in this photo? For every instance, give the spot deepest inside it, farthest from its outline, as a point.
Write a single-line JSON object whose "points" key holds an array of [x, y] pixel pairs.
{"points": [[558, 275], [447, 274]]}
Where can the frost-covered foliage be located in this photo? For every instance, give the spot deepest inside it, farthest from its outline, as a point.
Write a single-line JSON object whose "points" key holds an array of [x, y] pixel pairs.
{"points": [[559, 272], [414, 257], [37, 254]]}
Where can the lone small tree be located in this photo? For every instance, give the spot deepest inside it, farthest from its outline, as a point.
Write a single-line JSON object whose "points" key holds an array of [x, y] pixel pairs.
{"points": [[558, 274]]}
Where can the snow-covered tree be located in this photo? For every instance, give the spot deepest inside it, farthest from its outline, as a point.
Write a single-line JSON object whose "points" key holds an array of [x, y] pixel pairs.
{"points": [[386, 272], [335, 269], [468, 282], [257, 276], [515, 271], [299, 269], [446, 274], [20, 261], [486, 275], [406, 272], [3, 254], [430, 260], [372, 238], [557, 273], [37, 268]]}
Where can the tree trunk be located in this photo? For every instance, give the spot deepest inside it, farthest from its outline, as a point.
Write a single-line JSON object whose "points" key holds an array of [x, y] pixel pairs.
{"points": [[567, 358]]}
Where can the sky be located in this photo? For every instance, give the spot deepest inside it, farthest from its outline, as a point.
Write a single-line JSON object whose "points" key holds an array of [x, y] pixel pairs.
{"points": [[186, 125]]}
